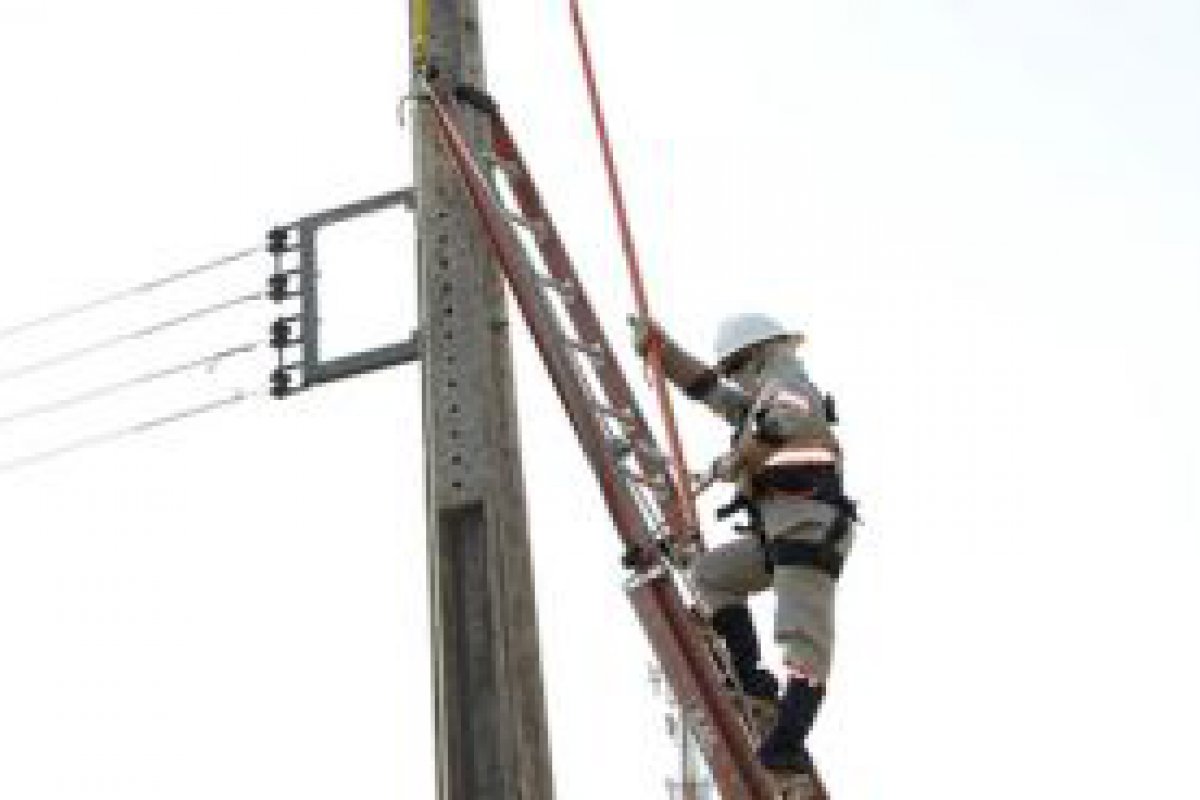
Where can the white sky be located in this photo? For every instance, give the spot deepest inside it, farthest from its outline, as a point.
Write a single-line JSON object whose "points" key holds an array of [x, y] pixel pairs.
{"points": [[984, 213]]}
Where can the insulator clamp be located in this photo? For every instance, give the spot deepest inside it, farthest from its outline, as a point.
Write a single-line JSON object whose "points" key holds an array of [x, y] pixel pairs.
{"points": [[279, 241], [287, 379], [281, 383], [279, 286], [283, 335]]}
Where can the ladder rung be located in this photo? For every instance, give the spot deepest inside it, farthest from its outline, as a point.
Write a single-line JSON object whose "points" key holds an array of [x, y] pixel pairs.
{"points": [[622, 415], [591, 350], [508, 167], [649, 451], [620, 447], [560, 285], [536, 227], [623, 447], [658, 483], [639, 579]]}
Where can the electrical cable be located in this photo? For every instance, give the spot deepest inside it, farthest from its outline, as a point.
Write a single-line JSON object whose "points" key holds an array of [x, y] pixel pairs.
{"points": [[142, 427], [114, 341], [132, 291], [100, 392]]}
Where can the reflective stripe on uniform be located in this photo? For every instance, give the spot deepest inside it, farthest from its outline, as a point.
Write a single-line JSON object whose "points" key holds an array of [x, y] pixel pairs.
{"points": [[786, 397], [792, 456]]}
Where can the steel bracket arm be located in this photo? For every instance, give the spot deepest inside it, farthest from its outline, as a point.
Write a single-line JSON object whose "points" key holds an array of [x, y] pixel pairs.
{"points": [[296, 338]]}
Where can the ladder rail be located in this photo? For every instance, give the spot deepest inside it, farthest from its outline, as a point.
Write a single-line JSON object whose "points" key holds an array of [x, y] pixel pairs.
{"points": [[667, 621], [583, 315], [654, 353], [561, 267], [509, 257], [596, 396]]}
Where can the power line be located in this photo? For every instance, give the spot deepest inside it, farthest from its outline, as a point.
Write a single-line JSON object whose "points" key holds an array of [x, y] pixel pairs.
{"points": [[117, 296], [141, 333], [99, 392], [142, 427]]}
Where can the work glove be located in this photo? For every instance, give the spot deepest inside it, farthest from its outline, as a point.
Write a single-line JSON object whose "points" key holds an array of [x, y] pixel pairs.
{"points": [[642, 330], [724, 470], [725, 467]]}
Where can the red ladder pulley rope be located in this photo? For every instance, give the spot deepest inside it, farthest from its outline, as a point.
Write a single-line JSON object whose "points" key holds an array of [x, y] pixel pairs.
{"points": [[654, 362]]}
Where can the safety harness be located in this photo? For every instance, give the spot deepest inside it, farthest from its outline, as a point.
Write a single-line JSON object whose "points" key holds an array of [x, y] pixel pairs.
{"points": [[817, 482], [822, 555]]}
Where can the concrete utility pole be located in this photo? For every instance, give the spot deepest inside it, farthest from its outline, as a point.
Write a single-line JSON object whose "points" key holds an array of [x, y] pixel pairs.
{"points": [[492, 741]]}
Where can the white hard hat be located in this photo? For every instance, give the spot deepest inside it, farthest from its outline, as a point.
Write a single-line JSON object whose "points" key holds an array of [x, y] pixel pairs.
{"points": [[746, 330]]}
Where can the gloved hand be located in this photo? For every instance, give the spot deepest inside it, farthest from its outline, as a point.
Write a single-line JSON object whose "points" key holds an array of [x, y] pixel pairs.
{"points": [[723, 469], [642, 329]]}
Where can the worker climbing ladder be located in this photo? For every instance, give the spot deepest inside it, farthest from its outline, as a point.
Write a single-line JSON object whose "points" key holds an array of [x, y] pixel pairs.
{"points": [[646, 501]]}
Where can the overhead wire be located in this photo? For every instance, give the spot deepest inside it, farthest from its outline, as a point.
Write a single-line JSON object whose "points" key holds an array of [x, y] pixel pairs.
{"points": [[100, 392], [107, 437], [132, 291], [124, 338]]}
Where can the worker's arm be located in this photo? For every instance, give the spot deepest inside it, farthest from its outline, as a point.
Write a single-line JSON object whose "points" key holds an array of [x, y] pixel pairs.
{"points": [[692, 376]]}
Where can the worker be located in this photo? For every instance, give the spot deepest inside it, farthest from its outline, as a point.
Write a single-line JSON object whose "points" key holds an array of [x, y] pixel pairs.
{"points": [[786, 463]]}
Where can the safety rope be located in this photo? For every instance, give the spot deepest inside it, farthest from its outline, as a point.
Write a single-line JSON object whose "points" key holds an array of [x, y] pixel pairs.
{"points": [[654, 358]]}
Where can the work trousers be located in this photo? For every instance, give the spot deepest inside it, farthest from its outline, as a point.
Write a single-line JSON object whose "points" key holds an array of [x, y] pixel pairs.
{"points": [[804, 618]]}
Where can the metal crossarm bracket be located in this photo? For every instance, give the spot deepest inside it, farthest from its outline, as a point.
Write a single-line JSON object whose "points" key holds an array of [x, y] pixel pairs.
{"points": [[298, 242], [367, 361]]}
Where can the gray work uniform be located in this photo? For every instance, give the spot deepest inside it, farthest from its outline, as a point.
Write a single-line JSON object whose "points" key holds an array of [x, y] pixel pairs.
{"points": [[726, 575]]}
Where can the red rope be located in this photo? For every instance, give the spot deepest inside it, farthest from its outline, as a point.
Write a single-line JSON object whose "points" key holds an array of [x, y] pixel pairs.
{"points": [[679, 469]]}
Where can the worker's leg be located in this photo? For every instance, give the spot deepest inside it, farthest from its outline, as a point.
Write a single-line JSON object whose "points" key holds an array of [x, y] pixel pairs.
{"points": [[804, 620], [804, 629], [722, 578], [726, 575]]}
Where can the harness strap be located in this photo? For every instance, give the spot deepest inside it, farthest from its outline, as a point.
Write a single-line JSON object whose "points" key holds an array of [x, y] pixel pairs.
{"points": [[816, 555], [755, 527], [819, 482], [822, 555]]}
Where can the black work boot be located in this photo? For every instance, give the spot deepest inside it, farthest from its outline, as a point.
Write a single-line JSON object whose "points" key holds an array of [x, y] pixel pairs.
{"points": [[783, 750], [735, 627]]}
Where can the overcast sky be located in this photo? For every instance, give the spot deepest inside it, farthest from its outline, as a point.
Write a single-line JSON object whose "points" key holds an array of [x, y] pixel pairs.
{"points": [[984, 214]]}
